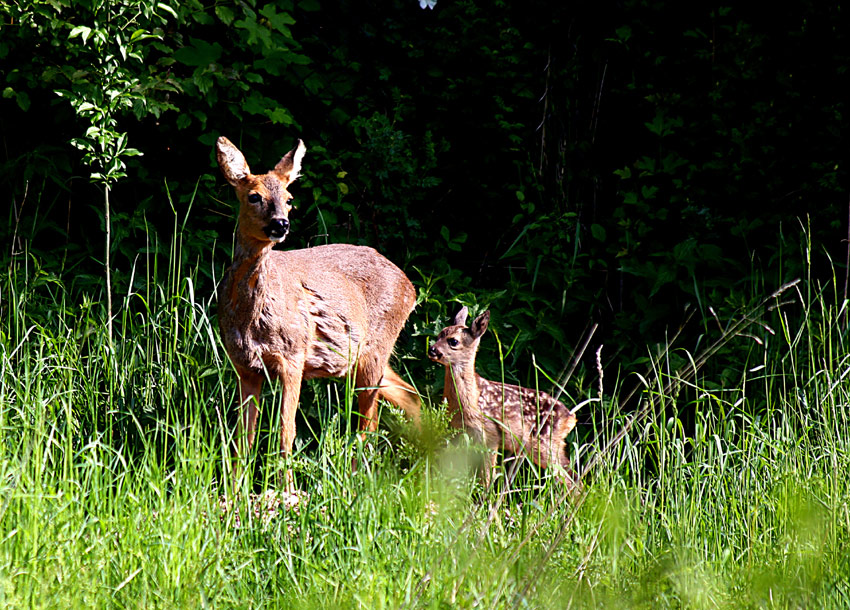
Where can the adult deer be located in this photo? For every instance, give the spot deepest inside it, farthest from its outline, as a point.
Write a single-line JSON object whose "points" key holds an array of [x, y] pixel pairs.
{"points": [[326, 311]]}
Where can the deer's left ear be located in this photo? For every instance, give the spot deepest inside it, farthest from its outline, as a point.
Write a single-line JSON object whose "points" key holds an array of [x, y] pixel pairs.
{"points": [[479, 324], [460, 317], [289, 167]]}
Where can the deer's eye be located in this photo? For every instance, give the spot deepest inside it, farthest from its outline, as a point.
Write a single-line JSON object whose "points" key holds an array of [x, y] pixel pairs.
{"points": [[255, 198], [452, 342]]}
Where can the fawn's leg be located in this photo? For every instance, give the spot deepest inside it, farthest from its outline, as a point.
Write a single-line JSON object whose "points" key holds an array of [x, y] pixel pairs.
{"points": [[487, 469], [569, 476]]}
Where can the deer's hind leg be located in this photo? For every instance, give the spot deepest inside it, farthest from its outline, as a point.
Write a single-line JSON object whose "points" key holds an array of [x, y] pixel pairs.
{"points": [[568, 475], [370, 371]]}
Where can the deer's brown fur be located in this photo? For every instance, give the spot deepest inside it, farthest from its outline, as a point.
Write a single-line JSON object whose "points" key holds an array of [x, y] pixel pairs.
{"points": [[499, 415], [326, 311]]}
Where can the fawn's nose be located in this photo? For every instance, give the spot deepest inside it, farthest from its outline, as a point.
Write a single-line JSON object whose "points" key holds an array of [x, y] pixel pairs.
{"points": [[433, 353], [277, 228]]}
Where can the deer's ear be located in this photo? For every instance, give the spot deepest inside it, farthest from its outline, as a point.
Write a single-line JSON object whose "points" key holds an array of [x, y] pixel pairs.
{"points": [[231, 161], [460, 317], [289, 167], [479, 324]]}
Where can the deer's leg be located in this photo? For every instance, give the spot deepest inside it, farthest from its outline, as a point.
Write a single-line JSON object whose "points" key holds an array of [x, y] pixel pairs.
{"points": [[487, 469], [290, 378], [569, 476], [289, 373], [250, 385], [369, 375]]}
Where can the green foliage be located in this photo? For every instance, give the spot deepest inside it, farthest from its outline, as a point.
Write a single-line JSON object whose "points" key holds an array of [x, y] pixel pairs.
{"points": [[633, 170], [737, 498]]}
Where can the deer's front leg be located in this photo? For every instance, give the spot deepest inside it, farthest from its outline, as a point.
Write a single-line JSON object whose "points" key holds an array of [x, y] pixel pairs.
{"points": [[290, 374], [250, 385]]}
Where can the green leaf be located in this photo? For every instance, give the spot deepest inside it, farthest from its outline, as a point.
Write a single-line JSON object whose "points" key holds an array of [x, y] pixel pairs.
{"points": [[280, 116], [199, 53], [259, 104], [277, 21], [225, 14], [80, 30], [598, 232], [648, 192], [167, 8]]}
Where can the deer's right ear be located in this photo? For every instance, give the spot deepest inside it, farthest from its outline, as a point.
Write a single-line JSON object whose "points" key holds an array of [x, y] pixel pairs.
{"points": [[289, 167], [460, 317], [231, 161], [479, 324]]}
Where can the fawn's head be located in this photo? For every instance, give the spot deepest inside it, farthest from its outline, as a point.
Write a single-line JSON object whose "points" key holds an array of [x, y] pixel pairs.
{"points": [[456, 344], [263, 199]]}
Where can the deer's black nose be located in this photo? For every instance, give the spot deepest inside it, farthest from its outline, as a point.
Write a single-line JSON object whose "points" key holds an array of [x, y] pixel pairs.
{"points": [[276, 228], [433, 353]]}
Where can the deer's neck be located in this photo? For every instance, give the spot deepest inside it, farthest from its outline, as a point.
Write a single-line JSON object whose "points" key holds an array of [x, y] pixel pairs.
{"points": [[246, 272], [248, 248], [461, 393]]}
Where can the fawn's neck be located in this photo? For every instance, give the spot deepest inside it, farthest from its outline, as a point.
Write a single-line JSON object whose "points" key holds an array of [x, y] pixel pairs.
{"points": [[461, 392]]}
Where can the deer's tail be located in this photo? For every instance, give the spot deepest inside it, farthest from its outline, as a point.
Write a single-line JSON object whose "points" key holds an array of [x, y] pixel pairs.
{"points": [[396, 390]]}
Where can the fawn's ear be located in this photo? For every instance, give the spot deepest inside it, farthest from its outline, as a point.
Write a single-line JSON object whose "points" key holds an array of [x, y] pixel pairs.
{"points": [[289, 167], [231, 161], [460, 317], [479, 324]]}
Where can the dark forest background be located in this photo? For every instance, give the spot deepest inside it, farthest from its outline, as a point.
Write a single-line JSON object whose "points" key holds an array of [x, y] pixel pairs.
{"points": [[564, 163]]}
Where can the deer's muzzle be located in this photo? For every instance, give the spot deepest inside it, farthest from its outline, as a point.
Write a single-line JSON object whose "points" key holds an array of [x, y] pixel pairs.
{"points": [[277, 229]]}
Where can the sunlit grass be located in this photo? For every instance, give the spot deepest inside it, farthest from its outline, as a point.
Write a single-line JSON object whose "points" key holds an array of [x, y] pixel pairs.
{"points": [[115, 460]]}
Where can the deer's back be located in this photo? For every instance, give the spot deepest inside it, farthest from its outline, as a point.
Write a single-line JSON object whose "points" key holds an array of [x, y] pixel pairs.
{"points": [[327, 304], [516, 414]]}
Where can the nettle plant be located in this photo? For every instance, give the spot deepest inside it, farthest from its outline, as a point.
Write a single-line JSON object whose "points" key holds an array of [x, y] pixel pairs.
{"points": [[108, 42]]}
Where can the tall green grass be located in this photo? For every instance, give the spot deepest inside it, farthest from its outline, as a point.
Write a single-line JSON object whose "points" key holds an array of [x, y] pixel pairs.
{"points": [[115, 472]]}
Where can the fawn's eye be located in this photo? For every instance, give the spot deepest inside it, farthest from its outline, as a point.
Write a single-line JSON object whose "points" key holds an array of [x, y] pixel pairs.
{"points": [[452, 342], [255, 198]]}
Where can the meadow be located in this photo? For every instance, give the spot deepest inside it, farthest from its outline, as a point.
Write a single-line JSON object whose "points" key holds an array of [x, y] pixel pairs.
{"points": [[698, 492], [642, 169]]}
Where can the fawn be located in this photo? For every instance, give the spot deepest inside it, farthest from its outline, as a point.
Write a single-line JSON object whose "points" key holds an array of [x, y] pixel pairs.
{"points": [[326, 311], [499, 415]]}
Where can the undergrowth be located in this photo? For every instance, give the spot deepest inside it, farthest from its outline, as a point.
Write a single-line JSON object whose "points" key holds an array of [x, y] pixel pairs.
{"points": [[115, 475]]}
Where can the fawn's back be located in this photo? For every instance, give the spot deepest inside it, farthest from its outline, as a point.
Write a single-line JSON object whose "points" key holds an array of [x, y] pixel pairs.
{"points": [[518, 418]]}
